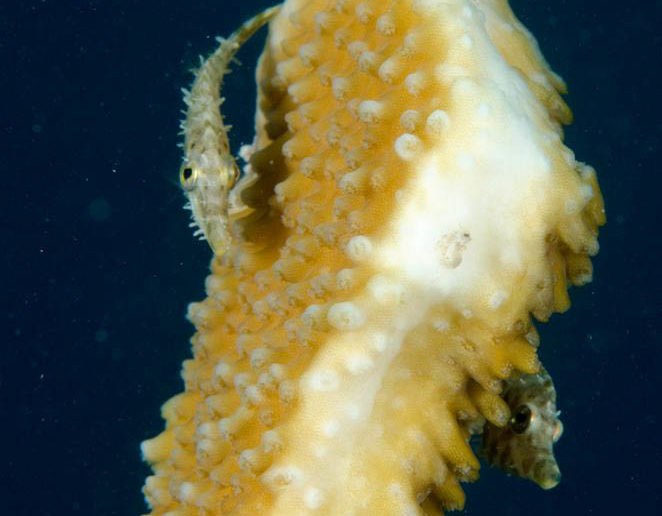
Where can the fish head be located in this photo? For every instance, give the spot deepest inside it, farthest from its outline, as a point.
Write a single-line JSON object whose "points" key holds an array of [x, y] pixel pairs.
{"points": [[206, 184], [525, 445]]}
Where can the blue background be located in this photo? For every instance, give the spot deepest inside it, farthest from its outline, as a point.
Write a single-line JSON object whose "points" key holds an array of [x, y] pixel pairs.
{"points": [[98, 263]]}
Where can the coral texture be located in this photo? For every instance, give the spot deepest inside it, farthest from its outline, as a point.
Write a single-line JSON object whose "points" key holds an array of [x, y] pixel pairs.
{"points": [[410, 208]]}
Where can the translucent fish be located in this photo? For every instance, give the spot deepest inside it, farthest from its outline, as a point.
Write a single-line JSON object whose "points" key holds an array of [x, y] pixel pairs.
{"points": [[525, 445], [209, 170]]}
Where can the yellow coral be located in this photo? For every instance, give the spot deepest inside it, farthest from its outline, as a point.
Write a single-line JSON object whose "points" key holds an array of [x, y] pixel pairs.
{"points": [[411, 204]]}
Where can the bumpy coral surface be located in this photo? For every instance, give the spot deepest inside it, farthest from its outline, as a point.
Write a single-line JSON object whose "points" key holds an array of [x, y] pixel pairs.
{"points": [[410, 206]]}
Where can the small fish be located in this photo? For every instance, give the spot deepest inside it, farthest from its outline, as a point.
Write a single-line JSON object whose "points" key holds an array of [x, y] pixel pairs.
{"points": [[525, 445], [209, 170]]}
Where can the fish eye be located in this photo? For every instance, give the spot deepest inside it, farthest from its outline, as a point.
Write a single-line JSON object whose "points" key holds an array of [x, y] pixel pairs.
{"points": [[235, 176], [187, 177], [521, 419]]}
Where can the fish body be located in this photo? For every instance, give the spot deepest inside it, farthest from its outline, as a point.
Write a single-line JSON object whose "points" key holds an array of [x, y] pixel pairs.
{"points": [[209, 170], [525, 445]]}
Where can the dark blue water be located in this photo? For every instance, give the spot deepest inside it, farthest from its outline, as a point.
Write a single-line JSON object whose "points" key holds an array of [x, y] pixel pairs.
{"points": [[98, 263]]}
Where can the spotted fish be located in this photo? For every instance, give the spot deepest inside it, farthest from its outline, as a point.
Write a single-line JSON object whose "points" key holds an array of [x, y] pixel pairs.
{"points": [[209, 170], [525, 445]]}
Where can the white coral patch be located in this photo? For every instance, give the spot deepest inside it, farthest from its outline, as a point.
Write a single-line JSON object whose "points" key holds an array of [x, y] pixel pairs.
{"points": [[287, 391], [346, 316], [414, 83], [440, 324], [271, 441], [359, 248], [464, 161], [345, 279], [379, 342], [313, 498], [476, 205], [370, 111], [386, 25], [340, 86], [353, 411], [410, 120], [497, 299], [330, 428], [408, 146], [385, 291], [390, 69], [437, 122], [282, 476], [358, 363], [322, 380]]}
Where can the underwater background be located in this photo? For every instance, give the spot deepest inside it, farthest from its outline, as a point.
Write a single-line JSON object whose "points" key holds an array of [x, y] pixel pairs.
{"points": [[98, 263]]}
